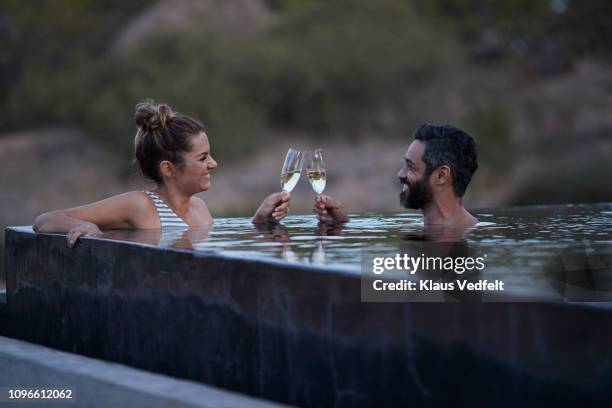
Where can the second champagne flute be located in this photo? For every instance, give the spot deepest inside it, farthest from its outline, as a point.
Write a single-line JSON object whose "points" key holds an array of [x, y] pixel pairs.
{"points": [[315, 169]]}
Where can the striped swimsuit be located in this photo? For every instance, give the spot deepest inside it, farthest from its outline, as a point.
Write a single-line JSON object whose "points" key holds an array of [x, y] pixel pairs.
{"points": [[167, 217]]}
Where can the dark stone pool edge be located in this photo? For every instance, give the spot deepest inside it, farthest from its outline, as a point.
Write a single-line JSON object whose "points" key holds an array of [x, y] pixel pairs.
{"points": [[293, 334]]}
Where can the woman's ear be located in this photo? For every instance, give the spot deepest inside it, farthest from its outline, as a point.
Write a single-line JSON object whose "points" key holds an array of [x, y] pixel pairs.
{"points": [[443, 175], [166, 168]]}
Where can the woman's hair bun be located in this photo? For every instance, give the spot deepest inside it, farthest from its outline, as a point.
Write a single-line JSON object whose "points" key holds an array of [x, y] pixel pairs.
{"points": [[149, 115], [162, 135]]}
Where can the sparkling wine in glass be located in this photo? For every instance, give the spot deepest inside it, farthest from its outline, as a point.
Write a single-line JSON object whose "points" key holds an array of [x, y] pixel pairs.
{"points": [[315, 169], [292, 168]]}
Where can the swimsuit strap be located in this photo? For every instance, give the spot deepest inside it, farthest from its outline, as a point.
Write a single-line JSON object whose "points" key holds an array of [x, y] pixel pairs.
{"points": [[167, 217]]}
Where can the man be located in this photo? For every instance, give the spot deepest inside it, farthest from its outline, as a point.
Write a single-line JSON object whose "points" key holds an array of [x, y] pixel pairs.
{"points": [[438, 167]]}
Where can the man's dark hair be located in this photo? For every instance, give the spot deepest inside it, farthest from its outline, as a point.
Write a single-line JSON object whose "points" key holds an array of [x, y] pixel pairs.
{"points": [[447, 145]]}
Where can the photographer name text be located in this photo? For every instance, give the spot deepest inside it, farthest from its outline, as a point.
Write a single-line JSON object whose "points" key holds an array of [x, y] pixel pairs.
{"points": [[423, 264], [431, 285]]}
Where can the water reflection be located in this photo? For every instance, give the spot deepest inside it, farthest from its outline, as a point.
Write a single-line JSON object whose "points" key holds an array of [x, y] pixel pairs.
{"points": [[442, 233], [179, 238], [271, 239], [279, 233], [519, 242]]}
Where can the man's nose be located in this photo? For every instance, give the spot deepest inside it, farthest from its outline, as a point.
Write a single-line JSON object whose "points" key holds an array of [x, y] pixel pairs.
{"points": [[400, 174]]}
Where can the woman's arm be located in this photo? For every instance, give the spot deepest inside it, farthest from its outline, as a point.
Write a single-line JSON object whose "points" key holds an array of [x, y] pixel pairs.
{"points": [[57, 221], [273, 208], [126, 210]]}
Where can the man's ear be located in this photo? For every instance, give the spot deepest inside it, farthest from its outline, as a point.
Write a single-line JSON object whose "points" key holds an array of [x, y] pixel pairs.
{"points": [[166, 168], [442, 175]]}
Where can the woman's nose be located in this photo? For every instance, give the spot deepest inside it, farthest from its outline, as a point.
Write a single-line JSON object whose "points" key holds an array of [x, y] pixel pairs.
{"points": [[212, 164]]}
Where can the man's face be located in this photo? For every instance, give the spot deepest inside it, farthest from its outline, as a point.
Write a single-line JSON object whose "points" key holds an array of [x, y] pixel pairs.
{"points": [[416, 192]]}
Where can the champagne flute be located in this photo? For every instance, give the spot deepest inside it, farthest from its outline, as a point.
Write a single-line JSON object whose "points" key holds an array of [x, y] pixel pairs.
{"points": [[315, 169], [292, 168]]}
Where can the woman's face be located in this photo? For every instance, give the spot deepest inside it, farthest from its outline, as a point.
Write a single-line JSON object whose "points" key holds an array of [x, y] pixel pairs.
{"points": [[194, 174]]}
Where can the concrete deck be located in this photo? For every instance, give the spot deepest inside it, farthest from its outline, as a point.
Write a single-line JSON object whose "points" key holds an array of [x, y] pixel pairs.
{"points": [[96, 383]]}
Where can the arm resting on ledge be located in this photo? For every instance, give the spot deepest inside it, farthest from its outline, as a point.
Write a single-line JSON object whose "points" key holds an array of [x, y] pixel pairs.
{"points": [[128, 210], [58, 221]]}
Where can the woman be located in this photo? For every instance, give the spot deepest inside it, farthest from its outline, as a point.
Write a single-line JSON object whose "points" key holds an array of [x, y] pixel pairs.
{"points": [[173, 151]]}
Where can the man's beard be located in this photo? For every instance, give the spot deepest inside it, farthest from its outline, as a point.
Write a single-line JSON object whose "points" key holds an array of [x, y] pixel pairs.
{"points": [[417, 196]]}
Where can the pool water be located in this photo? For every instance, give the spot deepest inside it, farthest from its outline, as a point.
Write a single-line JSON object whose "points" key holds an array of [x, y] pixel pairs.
{"points": [[527, 246]]}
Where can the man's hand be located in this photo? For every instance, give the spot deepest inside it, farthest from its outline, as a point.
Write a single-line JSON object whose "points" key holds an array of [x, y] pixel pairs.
{"points": [[86, 229], [329, 210], [273, 208]]}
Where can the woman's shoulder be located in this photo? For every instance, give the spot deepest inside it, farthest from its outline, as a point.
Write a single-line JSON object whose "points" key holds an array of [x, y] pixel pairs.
{"points": [[143, 211], [138, 199], [137, 203]]}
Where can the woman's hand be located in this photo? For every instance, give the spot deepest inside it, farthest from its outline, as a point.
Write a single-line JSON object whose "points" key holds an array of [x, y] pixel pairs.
{"points": [[86, 229], [273, 208], [329, 210]]}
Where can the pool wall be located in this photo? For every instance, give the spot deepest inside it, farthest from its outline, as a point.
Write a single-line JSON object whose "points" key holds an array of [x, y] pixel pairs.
{"points": [[296, 334]]}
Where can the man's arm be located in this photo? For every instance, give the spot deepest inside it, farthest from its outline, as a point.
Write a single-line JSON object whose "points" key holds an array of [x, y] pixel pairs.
{"points": [[329, 210]]}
